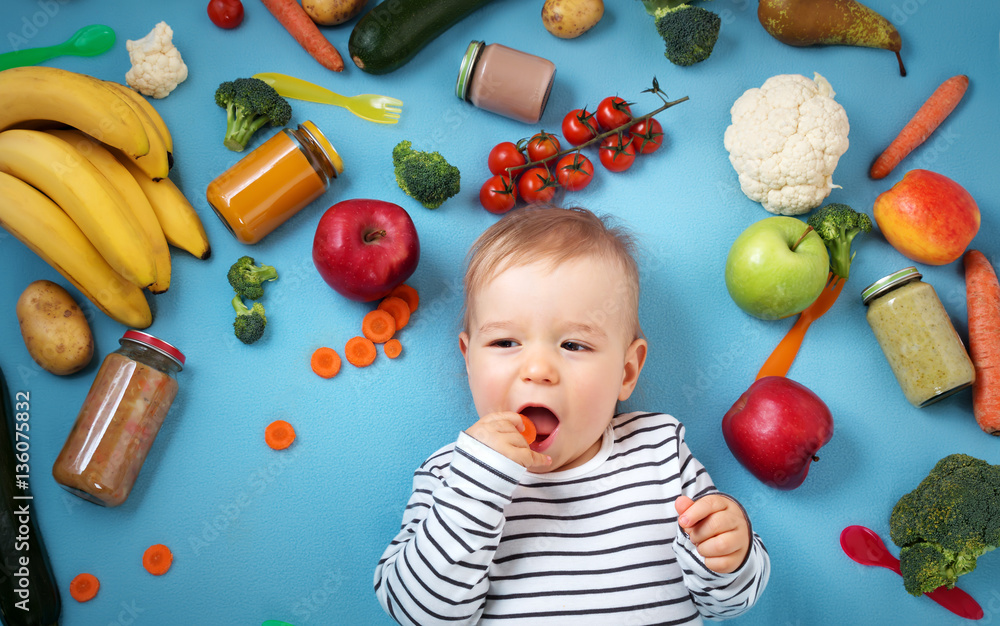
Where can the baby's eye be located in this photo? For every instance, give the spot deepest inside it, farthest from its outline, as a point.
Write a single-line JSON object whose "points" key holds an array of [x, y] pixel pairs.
{"points": [[573, 346], [502, 343]]}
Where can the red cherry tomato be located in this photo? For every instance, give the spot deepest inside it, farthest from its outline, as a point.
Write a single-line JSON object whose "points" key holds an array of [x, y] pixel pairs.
{"points": [[617, 152], [504, 155], [613, 112], [537, 185], [579, 126], [647, 136], [498, 194], [574, 171], [226, 13], [542, 147]]}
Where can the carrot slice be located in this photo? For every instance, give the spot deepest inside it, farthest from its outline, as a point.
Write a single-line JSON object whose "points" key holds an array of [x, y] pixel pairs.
{"points": [[398, 308], [279, 434], [157, 559], [408, 294], [84, 587], [360, 351], [378, 325], [529, 433], [392, 348], [325, 362]]}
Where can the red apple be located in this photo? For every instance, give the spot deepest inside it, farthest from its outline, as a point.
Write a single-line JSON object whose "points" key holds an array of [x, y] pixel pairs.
{"points": [[927, 217], [364, 248], [775, 429]]}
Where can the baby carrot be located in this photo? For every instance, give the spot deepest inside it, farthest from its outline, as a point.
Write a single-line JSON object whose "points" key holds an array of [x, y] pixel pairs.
{"points": [[398, 308], [298, 23], [529, 433], [982, 293], [157, 559], [279, 434], [359, 351], [84, 587], [392, 348], [930, 115], [378, 325], [325, 362], [408, 294]]}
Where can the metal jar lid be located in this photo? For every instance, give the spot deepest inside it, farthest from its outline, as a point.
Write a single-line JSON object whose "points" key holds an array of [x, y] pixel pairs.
{"points": [[157, 344], [325, 145], [889, 282], [465, 69]]}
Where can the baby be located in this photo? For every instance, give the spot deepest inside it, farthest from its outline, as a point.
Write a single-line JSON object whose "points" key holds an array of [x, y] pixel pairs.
{"points": [[605, 518]]}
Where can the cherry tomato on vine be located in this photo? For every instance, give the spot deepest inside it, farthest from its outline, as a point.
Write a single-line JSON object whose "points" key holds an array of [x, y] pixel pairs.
{"points": [[613, 112], [617, 152], [542, 147], [579, 126], [498, 194], [225, 13], [536, 185], [574, 171], [504, 155], [647, 136]]}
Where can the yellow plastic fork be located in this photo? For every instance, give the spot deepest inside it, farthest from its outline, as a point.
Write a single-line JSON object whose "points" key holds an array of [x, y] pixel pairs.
{"points": [[380, 109]]}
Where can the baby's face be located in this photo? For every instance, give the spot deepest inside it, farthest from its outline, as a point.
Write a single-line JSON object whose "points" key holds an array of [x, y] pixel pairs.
{"points": [[545, 343]]}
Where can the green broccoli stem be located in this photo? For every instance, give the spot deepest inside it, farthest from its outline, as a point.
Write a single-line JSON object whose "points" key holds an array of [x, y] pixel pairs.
{"points": [[616, 130], [240, 128]]}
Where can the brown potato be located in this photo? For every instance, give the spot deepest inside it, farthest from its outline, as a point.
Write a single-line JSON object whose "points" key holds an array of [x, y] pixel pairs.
{"points": [[567, 19], [54, 329], [331, 12]]}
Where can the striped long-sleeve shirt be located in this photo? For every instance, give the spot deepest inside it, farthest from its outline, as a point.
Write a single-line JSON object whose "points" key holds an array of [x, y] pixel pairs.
{"points": [[484, 541]]}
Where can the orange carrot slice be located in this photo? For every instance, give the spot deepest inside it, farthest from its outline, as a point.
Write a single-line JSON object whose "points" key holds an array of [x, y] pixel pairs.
{"points": [[84, 587], [157, 559], [378, 325], [529, 433], [392, 348], [325, 362], [279, 434], [398, 308], [408, 294], [360, 351]]}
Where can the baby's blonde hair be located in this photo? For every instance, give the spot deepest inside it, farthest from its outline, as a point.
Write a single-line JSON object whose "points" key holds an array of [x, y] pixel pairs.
{"points": [[554, 235]]}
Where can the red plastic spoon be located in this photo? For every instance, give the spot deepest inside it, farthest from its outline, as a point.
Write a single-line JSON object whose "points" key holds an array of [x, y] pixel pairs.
{"points": [[864, 546]]}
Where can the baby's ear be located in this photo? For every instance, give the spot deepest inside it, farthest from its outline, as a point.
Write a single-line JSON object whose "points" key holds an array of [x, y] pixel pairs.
{"points": [[635, 358], [463, 346]]}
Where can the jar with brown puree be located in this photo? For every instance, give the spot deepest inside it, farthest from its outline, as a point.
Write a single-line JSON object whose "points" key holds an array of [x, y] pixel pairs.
{"points": [[119, 420], [917, 337]]}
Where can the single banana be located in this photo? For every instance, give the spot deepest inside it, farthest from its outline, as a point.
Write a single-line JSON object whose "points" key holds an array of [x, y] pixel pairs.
{"points": [[178, 219], [78, 100], [156, 162], [120, 178], [154, 115], [58, 170], [41, 225]]}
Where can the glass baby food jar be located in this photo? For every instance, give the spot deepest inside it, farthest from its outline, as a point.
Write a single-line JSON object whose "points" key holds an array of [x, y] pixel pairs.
{"points": [[119, 420], [274, 182], [509, 82], [916, 335]]}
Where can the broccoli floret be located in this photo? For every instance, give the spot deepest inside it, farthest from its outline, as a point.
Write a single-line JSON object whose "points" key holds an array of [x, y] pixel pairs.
{"points": [[689, 32], [249, 103], [247, 278], [947, 522], [424, 176], [837, 225], [250, 322]]}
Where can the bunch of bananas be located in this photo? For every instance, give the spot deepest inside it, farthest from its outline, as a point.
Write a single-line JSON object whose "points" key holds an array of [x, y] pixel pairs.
{"points": [[83, 183]]}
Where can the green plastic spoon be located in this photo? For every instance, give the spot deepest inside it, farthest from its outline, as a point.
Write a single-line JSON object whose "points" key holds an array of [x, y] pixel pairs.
{"points": [[86, 42]]}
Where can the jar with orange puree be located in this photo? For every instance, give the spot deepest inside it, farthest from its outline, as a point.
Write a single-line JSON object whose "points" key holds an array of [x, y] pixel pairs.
{"points": [[274, 182]]}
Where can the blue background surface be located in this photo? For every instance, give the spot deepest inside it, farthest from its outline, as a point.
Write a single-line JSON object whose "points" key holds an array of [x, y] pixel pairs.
{"points": [[295, 535]]}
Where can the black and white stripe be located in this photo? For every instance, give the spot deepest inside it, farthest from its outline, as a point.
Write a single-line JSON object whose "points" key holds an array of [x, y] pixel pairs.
{"points": [[483, 541]]}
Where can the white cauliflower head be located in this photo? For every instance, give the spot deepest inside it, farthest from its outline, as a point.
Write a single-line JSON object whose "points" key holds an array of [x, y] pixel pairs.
{"points": [[785, 140], [157, 67]]}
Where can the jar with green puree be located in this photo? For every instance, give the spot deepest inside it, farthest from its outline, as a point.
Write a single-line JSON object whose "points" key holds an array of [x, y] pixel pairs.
{"points": [[917, 337]]}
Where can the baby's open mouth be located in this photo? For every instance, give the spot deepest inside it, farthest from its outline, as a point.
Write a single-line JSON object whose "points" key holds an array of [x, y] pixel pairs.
{"points": [[545, 422]]}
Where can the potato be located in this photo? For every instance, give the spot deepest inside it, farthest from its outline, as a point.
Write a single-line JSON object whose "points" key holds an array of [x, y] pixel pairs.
{"points": [[54, 329], [331, 12], [567, 19]]}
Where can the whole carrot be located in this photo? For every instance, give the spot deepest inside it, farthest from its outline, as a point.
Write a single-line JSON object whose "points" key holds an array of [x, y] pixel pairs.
{"points": [[298, 23], [930, 115], [982, 292]]}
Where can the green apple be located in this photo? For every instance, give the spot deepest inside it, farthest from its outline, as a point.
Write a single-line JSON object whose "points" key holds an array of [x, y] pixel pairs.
{"points": [[772, 271]]}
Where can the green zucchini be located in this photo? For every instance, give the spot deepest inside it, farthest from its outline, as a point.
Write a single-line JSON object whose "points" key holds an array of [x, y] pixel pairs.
{"points": [[28, 592], [394, 31]]}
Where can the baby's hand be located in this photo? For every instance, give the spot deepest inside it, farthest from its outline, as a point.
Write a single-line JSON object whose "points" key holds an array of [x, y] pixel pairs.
{"points": [[718, 527], [502, 432]]}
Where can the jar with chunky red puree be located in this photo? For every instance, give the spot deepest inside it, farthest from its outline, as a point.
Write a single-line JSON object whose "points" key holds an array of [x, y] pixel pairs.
{"points": [[119, 419]]}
